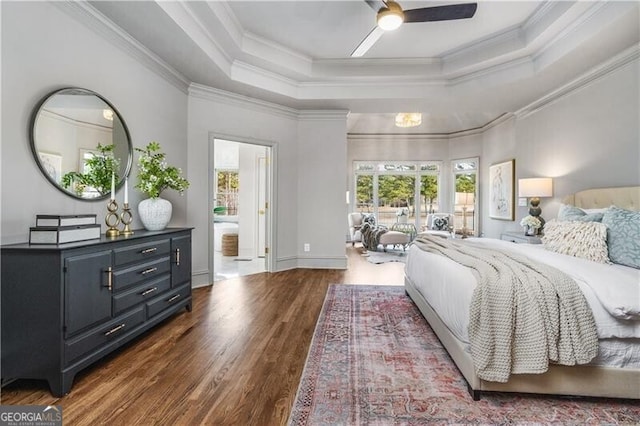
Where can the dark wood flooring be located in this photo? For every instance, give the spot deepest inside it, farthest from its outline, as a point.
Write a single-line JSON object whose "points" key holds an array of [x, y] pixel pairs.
{"points": [[235, 360]]}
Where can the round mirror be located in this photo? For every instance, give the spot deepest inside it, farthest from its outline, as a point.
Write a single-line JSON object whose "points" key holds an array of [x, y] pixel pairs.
{"points": [[80, 143]]}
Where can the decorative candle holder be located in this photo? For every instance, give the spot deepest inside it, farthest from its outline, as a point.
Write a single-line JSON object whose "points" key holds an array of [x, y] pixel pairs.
{"points": [[126, 218], [112, 220]]}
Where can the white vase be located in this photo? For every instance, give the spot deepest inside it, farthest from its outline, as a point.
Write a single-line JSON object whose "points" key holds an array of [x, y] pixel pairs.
{"points": [[155, 213]]}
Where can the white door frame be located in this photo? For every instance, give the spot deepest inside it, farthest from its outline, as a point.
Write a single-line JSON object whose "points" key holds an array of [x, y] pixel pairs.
{"points": [[271, 196]]}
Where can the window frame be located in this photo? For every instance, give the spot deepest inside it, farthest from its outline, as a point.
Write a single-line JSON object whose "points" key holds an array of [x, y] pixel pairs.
{"points": [[376, 169]]}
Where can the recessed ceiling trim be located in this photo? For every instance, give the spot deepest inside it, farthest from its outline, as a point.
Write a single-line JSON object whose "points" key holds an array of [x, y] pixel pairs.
{"points": [[276, 53], [228, 19], [259, 77], [322, 115], [185, 18], [234, 99], [574, 34]]}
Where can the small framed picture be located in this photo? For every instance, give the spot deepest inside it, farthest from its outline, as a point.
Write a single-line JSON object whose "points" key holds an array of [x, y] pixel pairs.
{"points": [[52, 164], [501, 190]]}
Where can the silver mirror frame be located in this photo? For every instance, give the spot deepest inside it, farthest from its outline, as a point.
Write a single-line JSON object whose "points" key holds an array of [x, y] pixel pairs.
{"points": [[34, 150]]}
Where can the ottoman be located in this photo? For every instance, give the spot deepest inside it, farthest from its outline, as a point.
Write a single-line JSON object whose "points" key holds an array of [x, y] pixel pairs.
{"points": [[394, 238]]}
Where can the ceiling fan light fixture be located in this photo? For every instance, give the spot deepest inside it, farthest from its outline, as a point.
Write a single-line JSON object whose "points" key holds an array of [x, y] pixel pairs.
{"points": [[390, 17], [408, 119]]}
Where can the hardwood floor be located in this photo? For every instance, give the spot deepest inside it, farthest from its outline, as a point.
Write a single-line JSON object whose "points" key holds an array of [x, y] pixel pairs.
{"points": [[235, 360]]}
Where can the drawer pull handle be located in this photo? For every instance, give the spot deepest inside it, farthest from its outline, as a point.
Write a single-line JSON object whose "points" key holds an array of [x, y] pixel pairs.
{"points": [[149, 250], [176, 297], [113, 330], [109, 273], [151, 290], [177, 257], [148, 271]]}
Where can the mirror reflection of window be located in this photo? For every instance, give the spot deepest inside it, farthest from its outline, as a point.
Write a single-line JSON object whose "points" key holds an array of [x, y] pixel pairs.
{"points": [[83, 167]]}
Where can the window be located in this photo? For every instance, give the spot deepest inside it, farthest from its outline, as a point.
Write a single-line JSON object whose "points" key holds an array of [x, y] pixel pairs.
{"points": [[465, 178], [383, 188], [227, 190]]}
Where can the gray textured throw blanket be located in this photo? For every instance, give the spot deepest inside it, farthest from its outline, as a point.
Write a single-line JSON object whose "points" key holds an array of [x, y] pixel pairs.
{"points": [[371, 235], [523, 314]]}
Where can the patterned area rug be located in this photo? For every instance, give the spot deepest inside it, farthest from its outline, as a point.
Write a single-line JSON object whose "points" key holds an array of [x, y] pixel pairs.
{"points": [[375, 361]]}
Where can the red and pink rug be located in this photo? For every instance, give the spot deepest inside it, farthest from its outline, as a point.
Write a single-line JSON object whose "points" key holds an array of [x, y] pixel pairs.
{"points": [[375, 361]]}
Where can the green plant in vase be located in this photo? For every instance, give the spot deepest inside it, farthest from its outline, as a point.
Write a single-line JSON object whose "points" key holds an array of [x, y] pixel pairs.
{"points": [[98, 171], [154, 176]]}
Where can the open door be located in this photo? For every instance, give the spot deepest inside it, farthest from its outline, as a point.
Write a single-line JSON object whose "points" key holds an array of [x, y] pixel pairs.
{"points": [[262, 206]]}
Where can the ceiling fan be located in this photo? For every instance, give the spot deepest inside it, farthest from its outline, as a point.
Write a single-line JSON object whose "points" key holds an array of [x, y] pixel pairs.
{"points": [[390, 16]]}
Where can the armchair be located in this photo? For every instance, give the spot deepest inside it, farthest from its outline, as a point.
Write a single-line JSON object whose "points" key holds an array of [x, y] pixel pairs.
{"points": [[356, 220], [439, 224]]}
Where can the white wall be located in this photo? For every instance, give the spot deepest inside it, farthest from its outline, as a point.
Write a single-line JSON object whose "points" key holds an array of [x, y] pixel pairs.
{"points": [[322, 207], [44, 49], [589, 138], [298, 144]]}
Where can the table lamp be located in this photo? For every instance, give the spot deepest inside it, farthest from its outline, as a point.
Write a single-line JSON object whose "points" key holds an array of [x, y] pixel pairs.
{"points": [[535, 188]]}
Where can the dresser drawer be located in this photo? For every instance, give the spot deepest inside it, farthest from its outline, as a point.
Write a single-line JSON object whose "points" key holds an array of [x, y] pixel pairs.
{"points": [[158, 305], [102, 335], [140, 293], [123, 278], [140, 252]]}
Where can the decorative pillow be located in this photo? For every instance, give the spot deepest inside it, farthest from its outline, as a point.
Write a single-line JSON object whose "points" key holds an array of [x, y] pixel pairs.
{"points": [[568, 212], [623, 236], [587, 240], [369, 218], [440, 224]]}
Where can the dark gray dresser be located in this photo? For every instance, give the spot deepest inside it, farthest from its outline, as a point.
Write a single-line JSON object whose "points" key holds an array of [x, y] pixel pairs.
{"points": [[66, 306]]}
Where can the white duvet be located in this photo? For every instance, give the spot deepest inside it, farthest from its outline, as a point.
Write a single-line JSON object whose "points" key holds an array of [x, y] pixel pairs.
{"points": [[612, 291]]}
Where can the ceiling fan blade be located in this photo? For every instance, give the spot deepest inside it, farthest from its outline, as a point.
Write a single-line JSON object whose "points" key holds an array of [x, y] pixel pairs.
{"points": [[368, 41], [441, 13], [375, 4]]}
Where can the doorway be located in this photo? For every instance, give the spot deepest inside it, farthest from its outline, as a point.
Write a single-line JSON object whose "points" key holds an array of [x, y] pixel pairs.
{"points": [[239, 187]]}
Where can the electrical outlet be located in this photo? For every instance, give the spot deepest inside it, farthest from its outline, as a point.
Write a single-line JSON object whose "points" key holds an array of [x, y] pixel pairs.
{"points": [[307, 247], [522, 202]]}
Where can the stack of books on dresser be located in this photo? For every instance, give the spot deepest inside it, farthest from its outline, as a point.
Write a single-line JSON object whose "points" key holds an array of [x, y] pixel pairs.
{"points": [[60, 229]]}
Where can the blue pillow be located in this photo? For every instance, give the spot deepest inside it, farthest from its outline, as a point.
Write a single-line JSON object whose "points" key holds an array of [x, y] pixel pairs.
{"points": [[623, 236], [576, 214]]}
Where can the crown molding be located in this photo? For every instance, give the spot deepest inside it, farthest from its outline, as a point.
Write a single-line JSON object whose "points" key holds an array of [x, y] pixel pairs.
{"points": [[186, 19], [618, 61], [397, 136], [323, 115], [234, 99], [93, 19]]}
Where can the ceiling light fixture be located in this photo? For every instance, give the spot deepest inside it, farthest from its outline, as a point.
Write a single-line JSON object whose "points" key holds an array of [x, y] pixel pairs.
{"points": [[390, 17], [408, 119], [107, 114]]}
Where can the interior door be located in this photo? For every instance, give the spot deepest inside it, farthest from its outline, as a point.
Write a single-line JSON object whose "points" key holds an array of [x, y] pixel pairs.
{"points": [[262, 205]]}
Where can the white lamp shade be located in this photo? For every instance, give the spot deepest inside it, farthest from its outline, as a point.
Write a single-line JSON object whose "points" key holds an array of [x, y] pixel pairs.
{"points": [[465, 198], [535, 187]]}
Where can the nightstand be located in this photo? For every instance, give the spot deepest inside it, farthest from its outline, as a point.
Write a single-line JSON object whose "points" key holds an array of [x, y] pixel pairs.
{"points": [[520, 238]]}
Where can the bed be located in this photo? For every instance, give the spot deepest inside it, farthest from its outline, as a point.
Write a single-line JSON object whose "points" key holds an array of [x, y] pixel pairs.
{"points": [[433, 281]]}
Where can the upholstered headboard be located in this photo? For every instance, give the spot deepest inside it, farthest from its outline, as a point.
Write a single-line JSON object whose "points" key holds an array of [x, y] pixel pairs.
{"points": [[627, 197]]}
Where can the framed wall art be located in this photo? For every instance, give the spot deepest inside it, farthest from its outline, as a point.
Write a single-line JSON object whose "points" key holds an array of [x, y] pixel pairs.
{"points": [[501, 190], [52, 164]]}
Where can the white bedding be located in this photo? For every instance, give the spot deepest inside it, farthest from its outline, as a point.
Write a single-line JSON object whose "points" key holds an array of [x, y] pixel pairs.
{"points": [[609, 289]]}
